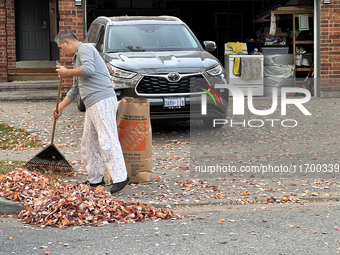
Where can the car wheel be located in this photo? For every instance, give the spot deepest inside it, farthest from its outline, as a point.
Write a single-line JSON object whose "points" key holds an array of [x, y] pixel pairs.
{"points": [[209, 123], [80, 105]]}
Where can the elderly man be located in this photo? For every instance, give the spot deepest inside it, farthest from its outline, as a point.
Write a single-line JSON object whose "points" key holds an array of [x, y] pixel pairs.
{"points": [[92, 82]]}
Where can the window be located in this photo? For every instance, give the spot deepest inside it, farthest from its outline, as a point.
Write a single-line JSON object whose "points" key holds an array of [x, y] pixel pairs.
{"points": [[150, 37]]}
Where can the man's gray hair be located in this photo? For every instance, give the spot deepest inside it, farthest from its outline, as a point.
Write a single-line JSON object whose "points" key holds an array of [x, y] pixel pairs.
{"points": [[65, 35]]}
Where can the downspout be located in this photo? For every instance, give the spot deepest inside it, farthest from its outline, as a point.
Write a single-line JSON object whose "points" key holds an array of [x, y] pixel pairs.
{"points": [[6, 34], [317, 48], [83, 5]]}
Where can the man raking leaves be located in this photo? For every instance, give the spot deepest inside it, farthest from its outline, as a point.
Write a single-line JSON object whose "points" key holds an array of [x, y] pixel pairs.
{"points": [[91, 81], [50, 157]]}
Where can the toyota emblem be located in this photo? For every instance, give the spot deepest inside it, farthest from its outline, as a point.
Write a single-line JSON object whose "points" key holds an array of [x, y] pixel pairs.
{"points": [[174, 77]]}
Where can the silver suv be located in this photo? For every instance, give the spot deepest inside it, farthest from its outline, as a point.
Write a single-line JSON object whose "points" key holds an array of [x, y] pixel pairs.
{"points": [[159, 58]]}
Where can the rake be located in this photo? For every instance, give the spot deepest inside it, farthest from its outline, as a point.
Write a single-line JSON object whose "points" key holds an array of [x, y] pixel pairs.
{"points": [[50, 157]]}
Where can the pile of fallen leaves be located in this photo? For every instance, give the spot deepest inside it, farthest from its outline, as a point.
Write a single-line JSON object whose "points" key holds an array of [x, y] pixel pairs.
{"points": [[48, 202]]}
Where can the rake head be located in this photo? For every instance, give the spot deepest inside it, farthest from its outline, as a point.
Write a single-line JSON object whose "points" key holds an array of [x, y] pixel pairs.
{"points": [[49, 158]]}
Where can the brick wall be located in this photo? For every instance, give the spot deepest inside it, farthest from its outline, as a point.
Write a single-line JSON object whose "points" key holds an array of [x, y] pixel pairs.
{"points": [[71, 18], [3, 39], [11, 52], [7, 38], [330, 48]]}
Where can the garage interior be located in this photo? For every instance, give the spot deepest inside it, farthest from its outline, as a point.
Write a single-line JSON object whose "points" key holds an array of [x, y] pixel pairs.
{"points": [[219, 21], [223, 22]]}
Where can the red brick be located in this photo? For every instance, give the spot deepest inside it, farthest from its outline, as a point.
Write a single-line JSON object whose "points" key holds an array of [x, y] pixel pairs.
{"points": [[65, 4], [334, 76], [64, 19], [334, 29], [332, 52], [67, 23], [78, 19], [64, 27]]}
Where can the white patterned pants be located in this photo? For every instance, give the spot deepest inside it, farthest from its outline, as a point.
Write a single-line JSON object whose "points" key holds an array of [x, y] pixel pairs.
{"points": [[101, 137]]}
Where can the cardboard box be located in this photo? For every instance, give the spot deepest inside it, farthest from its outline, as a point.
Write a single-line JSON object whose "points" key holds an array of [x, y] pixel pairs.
{"points": [[278, 32]]}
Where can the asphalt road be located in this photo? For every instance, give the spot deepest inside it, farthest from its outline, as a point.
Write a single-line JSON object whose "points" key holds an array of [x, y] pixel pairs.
{"points": [[252, 229]]}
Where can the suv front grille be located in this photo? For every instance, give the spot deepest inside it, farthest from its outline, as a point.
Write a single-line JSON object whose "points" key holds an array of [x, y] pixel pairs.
{"points": [[160, 85]]}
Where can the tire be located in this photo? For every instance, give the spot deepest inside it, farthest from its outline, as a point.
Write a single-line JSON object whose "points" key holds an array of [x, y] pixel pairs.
{"points": [[209, 123], [80, 105]]}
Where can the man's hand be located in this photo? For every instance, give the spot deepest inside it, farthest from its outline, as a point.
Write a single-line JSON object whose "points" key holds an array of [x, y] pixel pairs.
{"points": [[61, 107], [56, 114], [65, 72], [62, 71]]}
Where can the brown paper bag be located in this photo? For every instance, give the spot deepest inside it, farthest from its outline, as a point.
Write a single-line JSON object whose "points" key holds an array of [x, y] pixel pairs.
{"points": [[135, 136]]}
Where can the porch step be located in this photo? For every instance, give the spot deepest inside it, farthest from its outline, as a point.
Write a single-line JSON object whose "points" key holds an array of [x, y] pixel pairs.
{"points": [[32, 77], [27, 96], [32, 74], [29, 85], [29, 91]]}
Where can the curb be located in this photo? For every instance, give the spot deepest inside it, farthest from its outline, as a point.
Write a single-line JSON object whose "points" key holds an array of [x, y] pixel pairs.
{"points": [[9, 206], [12, 207], [234, 202]]}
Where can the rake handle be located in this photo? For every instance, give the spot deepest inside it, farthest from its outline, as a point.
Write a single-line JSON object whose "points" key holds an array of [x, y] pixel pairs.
{"points": [[55, 120]]}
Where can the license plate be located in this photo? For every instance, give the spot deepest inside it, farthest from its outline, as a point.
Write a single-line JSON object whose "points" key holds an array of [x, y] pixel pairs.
{"points": [[170, 102]]}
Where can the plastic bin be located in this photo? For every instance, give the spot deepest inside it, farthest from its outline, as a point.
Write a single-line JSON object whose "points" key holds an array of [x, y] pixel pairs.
{"points": [[274, 50]]}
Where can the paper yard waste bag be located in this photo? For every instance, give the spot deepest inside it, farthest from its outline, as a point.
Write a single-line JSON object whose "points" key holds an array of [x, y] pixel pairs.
{"points": [[135, 136]]}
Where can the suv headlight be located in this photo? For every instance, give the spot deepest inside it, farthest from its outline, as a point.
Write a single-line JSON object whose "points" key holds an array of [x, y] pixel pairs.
{"points": [[217, 70], [120, 73]]}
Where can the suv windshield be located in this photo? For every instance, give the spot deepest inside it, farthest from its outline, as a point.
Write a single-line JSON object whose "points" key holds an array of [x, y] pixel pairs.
{"points": [[145, 37]]}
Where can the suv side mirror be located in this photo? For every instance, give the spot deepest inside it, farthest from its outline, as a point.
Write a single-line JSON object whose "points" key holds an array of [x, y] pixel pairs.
{"points": [[209, 46]]}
